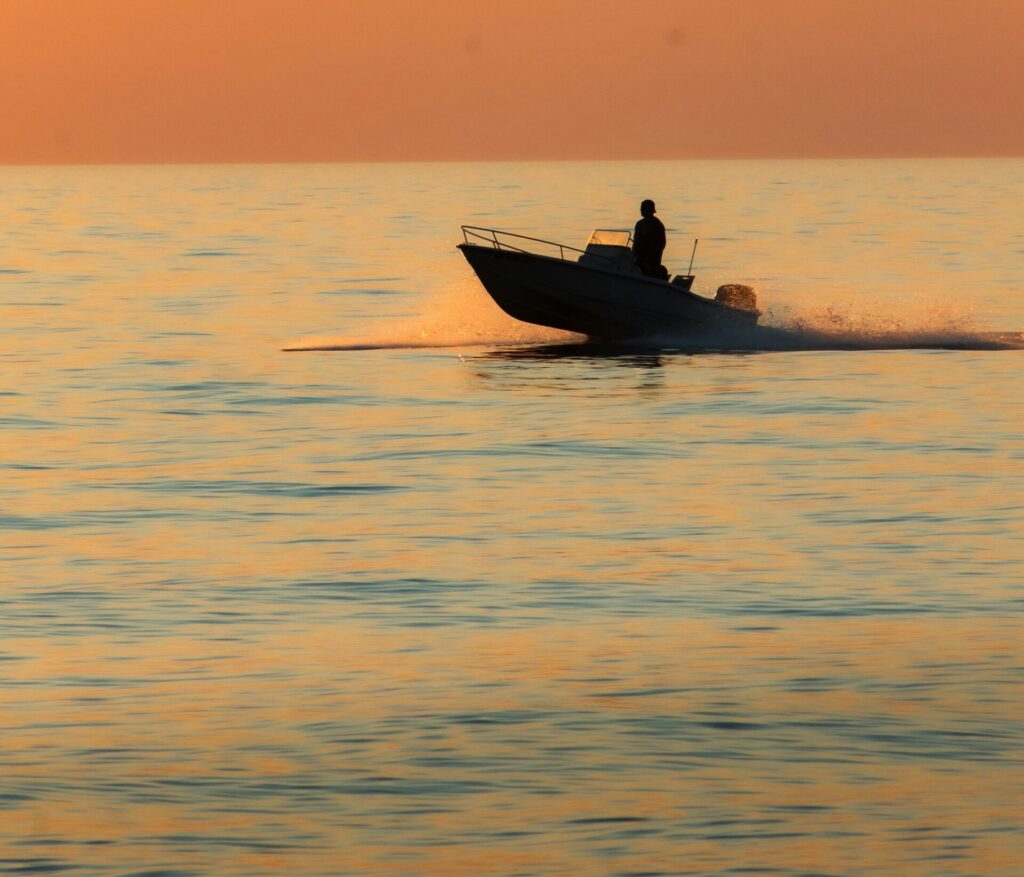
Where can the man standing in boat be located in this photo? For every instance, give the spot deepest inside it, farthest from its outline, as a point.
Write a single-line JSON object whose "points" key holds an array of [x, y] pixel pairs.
{"points": [[649, 242]]}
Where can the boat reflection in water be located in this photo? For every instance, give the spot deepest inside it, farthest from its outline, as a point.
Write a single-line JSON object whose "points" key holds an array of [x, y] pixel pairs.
{"points": [[599, 291]]}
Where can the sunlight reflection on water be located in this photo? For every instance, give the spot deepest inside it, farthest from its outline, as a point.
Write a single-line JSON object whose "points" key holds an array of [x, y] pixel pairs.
{"points": [[505, 608]]}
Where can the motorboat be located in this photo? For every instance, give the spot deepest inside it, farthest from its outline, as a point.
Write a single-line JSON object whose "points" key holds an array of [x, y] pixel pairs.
{"points": [[598, 291]]}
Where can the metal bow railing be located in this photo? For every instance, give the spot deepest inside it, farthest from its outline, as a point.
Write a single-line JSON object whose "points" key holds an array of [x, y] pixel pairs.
{"points": [[510, 240], [474, 234]]}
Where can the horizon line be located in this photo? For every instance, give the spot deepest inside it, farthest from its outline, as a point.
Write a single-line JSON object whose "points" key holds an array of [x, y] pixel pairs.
{"points": [[382, 161]]}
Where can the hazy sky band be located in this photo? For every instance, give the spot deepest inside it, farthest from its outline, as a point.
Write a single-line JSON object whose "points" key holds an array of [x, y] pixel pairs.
{"points": [[337, 80]]}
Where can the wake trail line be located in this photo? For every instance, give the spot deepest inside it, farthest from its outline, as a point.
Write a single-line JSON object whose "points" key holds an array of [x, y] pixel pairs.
{"points": [[760, 339]]}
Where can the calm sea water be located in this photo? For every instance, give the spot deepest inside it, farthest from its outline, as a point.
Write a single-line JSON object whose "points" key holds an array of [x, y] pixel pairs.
{"points": [[479, 601]]}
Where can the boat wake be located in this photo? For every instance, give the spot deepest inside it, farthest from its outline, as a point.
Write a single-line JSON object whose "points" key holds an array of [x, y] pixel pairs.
{"points": [[917, 327], [760, 339], [754, 339], [434, 340], [462, 316], [783, 339]]}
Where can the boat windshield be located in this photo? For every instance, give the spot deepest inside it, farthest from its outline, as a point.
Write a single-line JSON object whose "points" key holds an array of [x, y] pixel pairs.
{"points": [[610, 237]]}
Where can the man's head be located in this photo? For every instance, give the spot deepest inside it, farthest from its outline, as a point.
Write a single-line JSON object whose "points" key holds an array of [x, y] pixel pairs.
{"points": [[647, 207]]}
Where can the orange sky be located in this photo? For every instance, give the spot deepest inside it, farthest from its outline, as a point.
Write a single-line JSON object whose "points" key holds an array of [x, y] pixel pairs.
{"points": [[336, 80]]}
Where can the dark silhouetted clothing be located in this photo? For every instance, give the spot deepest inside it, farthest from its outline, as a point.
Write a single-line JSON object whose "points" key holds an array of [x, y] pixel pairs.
{"points": [[648, 245]]}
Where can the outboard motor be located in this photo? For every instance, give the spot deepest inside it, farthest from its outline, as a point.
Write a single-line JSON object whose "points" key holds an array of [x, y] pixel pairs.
{"points": [[738, 296]]}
